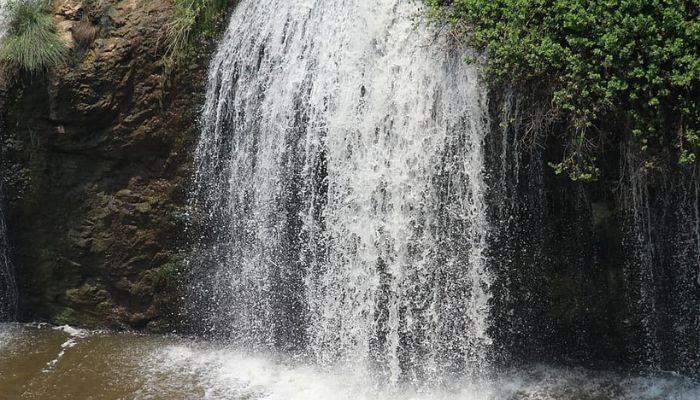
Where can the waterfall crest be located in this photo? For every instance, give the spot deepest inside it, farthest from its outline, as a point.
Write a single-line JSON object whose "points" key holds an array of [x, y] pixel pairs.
{"points": [[340, 179]]}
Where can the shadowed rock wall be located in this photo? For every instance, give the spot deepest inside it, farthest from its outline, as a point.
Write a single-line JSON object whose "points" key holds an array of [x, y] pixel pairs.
{"points": [[103, 147]]}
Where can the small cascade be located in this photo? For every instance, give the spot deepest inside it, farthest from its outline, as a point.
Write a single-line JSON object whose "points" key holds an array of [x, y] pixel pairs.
{"points": [[547, 285], [340, 186], [680, 282], [518, 217], [3, 18], [662, 256], [639, 261], [8, 291]]}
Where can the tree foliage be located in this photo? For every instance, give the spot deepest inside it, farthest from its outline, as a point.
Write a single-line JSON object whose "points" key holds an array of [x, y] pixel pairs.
{"points": [[609, 67]]}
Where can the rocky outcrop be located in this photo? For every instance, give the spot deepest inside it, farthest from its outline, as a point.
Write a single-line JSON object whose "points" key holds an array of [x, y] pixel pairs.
{"points": [[106, 148]]}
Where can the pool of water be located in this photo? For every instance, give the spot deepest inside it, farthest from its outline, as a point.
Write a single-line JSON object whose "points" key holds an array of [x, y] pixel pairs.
{"points": [[45, 362]]}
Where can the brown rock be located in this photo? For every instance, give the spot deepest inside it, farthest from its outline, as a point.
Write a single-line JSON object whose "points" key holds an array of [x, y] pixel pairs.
{"points": [[107, 149]]}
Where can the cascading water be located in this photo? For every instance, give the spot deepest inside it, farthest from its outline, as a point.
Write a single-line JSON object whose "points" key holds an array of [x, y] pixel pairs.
{"points": [[339, 181], [639, 263], [662, 253], [8, 292], [3, 18]]}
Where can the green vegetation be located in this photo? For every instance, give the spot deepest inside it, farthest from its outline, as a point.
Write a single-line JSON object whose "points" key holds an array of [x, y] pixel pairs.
{"points": [[191, 22], [31, 44], [609, 69]]}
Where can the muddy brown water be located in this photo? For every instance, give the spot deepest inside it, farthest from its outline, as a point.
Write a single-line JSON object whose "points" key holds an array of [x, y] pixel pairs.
{"points": [[63, 363]]}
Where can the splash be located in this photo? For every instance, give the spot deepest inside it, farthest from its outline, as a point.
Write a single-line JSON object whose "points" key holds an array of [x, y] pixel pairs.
{"points": [[339, 178]]}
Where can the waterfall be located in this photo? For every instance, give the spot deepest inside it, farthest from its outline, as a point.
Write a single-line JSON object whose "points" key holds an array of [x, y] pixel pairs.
{"points": [[639, 263], [340, 188], [3, 18], [8, 291], [662, 257]]}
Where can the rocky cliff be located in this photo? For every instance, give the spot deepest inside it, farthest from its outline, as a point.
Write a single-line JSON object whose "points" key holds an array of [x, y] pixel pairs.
{"points": [[100, 148], [97, 153]]}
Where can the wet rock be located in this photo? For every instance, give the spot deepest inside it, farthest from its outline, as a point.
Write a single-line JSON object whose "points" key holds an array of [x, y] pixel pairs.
{"points": [[106, 147]]}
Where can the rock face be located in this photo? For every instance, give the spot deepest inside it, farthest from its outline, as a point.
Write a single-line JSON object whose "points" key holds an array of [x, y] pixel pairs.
{"points": [[105, 146], [95, 161]]}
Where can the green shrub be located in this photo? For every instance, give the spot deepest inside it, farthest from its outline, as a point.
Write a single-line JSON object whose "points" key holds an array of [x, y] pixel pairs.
{"points": [[608, 68], [190, 21], [31, 44]]}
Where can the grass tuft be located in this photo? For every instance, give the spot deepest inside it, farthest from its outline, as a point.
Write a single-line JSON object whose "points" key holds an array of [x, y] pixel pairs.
{"points": [[191, 21], [31, 44]]}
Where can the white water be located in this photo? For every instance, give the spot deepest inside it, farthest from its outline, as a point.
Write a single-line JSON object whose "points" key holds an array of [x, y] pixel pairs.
{"points": [[340, 173], [3, 18], [230, 374]]}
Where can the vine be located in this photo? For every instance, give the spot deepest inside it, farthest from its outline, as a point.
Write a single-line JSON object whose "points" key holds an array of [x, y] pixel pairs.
{"points": [[607, 67]]}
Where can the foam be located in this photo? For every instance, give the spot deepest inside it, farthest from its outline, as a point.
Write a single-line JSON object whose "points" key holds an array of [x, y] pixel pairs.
{"points": [[227, 373]]}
